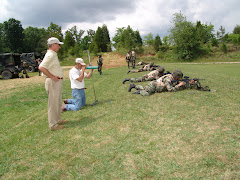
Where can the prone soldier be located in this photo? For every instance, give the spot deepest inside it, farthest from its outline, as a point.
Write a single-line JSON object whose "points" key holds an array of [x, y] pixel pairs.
{"points": [[164, 83], [148, 67], [153, 75]]}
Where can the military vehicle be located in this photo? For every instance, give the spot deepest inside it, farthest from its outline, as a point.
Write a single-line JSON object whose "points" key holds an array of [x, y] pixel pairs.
{"points": [[30, 59], [10, 65]]}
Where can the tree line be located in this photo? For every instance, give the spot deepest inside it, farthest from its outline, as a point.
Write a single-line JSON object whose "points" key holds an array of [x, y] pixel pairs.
{"points": [[187, 40]]}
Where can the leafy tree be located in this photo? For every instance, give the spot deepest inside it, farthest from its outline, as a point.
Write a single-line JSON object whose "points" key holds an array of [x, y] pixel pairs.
{"points": [[184, 37], [106, 39], [55, 31], [157, 43], [91, 34], [166, 40], [234, 38], [97, 43], [1, 38], [101, 40], [13, 35], [138, 39], [76, 34], [116, 38], [34, 39], [148, 40], [94, 48], [85, 43], [69, 42], [127, 39], [204, 32], [221, 34], [236, 29]]}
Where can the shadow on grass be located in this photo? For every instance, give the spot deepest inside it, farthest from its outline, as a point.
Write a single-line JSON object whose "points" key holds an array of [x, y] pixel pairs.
{"points": [[81, 122]]}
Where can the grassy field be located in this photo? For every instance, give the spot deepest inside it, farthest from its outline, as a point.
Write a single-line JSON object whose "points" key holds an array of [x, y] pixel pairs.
{"points": [[184, 135]]}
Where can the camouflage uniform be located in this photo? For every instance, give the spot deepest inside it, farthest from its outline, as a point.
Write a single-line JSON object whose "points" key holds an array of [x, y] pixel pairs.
{"points": [[156, 74], [148, 67], [128, 58], [24, 65], [141, 63], [100, 63], [133, 58], [162, 84]]}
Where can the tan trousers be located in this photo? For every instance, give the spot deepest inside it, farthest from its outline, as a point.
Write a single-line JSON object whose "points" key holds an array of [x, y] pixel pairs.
{"points": [[54, 91]]}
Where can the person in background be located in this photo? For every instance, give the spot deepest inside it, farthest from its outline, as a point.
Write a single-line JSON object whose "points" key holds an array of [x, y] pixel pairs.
{"points": [[100, 63]]}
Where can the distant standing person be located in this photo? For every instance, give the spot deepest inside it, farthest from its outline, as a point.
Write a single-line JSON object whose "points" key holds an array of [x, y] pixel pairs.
{"points": [[128, 58], [133, 58], [77, 75], [39, 62], [100, 63], [52, 70]]}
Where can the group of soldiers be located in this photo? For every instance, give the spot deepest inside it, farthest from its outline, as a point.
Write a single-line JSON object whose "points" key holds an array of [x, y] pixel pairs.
{"points": [[161, 81]]}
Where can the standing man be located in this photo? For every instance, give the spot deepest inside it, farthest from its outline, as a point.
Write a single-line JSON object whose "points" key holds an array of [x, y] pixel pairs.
{"points": [[38, 60], [133, 58], [128, 58], [52, 70], [77, 75], [100, 63]]}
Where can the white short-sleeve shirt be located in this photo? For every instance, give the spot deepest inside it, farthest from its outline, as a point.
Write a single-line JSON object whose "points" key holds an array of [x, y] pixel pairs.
{"points": [[73, 75]]}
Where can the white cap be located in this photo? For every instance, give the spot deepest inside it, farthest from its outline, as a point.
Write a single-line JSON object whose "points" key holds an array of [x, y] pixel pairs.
{"points": [[81, 61], [53, 40]]}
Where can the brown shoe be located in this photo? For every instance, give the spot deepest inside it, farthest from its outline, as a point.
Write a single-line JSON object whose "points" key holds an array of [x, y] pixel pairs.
{"points": [[63, 122], [63, 108], [57, 128], [65, 101]]}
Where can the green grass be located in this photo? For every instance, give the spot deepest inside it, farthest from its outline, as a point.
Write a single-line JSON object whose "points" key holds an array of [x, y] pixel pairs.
{"points": [[184, 135]]}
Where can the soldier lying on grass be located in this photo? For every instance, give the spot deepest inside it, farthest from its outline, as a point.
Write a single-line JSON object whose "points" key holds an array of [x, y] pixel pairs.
{"points": [[164, 83], [153, 75]]}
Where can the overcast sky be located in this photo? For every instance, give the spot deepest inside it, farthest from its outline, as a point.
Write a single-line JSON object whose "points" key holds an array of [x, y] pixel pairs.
{"points": [[146, 16]]}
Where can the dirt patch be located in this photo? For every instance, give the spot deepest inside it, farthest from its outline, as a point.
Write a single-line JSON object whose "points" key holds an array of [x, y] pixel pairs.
{"points": [[111, 60]]}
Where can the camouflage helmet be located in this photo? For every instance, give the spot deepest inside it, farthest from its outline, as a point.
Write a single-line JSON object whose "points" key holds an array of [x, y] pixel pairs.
{"points": [[160, 69], [177, 74]]}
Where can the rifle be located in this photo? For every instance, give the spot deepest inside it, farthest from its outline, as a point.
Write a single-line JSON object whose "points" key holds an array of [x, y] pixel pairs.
{"points": [[186, 80]]}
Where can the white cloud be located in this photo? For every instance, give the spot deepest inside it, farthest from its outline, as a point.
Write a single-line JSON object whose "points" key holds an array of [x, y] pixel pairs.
{"points": [[151, 16]]}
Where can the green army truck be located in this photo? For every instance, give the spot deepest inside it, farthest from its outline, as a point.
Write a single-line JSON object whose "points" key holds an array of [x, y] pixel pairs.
{"points": [[10, 65], [30, 59]]}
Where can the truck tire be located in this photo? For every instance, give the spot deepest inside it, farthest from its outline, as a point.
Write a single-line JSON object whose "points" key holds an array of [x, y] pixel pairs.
{"points": [[6, 74], [31, 69]]}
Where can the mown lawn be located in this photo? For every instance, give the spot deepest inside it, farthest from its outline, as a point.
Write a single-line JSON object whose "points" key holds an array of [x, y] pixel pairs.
{"points": [[184, 135]]}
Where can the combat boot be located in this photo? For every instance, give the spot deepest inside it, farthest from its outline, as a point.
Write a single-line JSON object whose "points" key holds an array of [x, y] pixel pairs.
{"points": [[128, 71], [130, 87], [136, 92], [124, 80]]}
